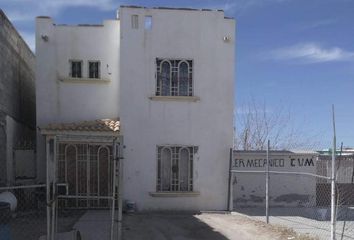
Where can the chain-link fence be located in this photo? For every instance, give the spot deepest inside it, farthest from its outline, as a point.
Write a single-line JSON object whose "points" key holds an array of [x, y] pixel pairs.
{"points": [[344, 192], [297, 194], [22, 212]]}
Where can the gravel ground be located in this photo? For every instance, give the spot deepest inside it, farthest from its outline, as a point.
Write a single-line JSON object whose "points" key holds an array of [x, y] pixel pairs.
{"points": [[307, 221]]}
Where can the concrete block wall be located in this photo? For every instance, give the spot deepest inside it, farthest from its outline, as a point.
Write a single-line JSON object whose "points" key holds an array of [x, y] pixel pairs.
{"points": [[17, 79], [2, 147], [17, 93]]}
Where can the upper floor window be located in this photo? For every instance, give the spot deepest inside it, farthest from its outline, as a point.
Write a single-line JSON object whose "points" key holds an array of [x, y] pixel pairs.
{"points": [[135, 21], [148, 22], [76, 69], [94, 69], [174, 77], [175, 168]]}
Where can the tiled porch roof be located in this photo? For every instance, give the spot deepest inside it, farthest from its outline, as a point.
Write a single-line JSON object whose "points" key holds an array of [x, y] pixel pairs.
{"points": [[100, 125]]}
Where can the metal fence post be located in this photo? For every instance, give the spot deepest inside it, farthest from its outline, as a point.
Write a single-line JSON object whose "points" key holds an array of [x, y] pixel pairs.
{"points": [[267, 185], [230, 192], [54, 190], [48, 197], [333, 196], [120, 189], [114, 186]]}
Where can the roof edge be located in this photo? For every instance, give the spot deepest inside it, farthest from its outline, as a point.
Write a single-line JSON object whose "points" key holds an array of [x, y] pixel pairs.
{"points": [[172, 8], [2, 13], [79, 133]]}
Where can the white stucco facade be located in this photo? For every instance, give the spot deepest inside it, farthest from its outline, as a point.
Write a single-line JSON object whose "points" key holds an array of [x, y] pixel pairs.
{"points": [[203, 120], [61, 99], [206, 123]]}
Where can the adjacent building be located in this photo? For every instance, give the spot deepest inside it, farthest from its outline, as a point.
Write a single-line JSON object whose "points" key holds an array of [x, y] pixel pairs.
{"points": [[159, 81], [17, 105]]}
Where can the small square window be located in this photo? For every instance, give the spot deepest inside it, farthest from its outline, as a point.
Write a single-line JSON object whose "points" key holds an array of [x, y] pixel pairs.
{"points": [[76, 69], [148, 22], [94, 69], [135, 21]]}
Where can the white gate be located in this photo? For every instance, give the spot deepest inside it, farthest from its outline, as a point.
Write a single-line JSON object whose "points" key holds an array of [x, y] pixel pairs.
{"points": [[83, 176], [85, 171]]}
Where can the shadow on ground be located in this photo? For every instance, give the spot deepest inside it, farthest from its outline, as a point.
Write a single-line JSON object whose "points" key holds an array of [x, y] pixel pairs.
{"points": [[163, 226]]}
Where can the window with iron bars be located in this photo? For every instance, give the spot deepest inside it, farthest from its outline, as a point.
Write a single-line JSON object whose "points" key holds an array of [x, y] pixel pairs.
{"points": [[174, 77], [94, 69], [175, 168], [76, 68]]}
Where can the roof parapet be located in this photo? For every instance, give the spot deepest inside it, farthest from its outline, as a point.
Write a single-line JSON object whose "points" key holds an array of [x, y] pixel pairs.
{"points": [[172, 8]]}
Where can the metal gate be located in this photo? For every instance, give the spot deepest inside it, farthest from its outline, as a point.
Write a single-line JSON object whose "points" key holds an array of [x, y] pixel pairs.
{"points": [[83, 187], [85, 171]]}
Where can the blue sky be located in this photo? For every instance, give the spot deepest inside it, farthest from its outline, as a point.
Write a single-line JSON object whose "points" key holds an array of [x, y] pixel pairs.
{"points": [[296, 55]]}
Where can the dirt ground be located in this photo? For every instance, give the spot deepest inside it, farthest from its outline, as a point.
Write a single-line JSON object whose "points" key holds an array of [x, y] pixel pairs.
{"points": [[198, 226]]}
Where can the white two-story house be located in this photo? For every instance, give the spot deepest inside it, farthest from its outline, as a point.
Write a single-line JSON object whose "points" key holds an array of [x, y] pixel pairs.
{"points": [[161, 79]]}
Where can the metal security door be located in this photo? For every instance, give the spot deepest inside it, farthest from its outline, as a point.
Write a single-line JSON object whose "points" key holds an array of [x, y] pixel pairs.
{"points": [[86, 172], [84, 181]]}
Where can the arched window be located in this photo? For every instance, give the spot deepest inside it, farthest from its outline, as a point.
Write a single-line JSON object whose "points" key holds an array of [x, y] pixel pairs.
{"points": [[183, 169], [174, 77], [175, 168], [183, 79], [165, 78], [166, 157]]}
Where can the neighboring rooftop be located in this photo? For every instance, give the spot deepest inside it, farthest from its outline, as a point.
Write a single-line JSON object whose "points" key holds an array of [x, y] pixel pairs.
{"points": [[343, 152], [278, 152]]}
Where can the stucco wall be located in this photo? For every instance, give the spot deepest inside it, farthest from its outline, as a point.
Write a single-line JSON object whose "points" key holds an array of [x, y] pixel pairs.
{"points": [[145, 123], [207, 123], [284, 189], [64, 101]]}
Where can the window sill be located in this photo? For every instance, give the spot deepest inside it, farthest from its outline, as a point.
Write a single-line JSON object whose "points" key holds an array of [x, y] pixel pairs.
{"points": [[174, 194], [85, 80], [175, 98]]}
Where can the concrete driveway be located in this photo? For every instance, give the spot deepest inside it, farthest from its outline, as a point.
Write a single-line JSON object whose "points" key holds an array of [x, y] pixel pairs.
{"points": [[95, 224], [206, 226]]}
